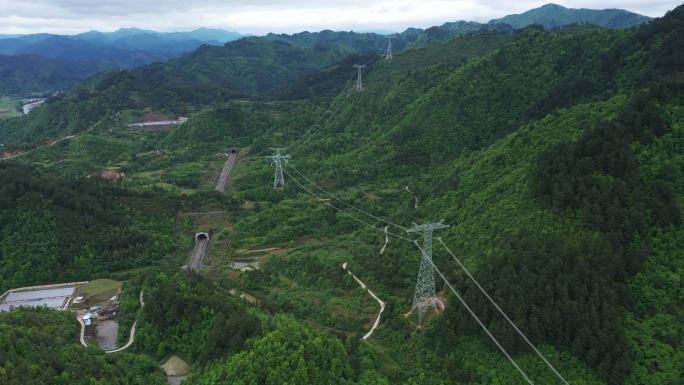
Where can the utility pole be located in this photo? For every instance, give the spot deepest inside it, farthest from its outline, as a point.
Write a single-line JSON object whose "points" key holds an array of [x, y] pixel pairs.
{"points": [[388, 54], [424, 296], [279, 160], [359, 69]]}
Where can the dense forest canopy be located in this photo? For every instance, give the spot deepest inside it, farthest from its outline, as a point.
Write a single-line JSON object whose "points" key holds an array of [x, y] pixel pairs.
{"points": [[53, 229], [41, 346], [556, 155]]}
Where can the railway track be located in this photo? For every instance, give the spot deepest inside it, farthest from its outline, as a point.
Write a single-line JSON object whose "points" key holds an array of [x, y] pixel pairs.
{"points": [[199, 251], [224, 176]]}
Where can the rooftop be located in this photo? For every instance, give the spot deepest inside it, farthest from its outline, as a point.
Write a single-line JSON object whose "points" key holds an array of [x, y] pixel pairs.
{"points": [[54, 298]]}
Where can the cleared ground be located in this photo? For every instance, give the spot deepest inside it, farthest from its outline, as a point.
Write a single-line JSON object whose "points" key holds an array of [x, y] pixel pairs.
{"points": [[8, 107], [175, 366], [99, 290]]}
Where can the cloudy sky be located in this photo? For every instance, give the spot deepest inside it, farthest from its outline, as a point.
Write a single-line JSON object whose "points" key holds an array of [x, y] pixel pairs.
{"points": [[261, 16]]}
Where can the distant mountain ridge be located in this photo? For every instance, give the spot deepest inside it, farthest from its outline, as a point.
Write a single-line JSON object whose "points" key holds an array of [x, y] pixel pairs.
{"points": [[219, 36], [123, 38], [554, 16], [132, 47], [39, 62], [239, 67]]}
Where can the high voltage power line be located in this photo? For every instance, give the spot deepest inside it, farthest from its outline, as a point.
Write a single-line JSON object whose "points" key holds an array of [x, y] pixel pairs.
{"points": [[326, 192], [498, 308], [330, 112], [482, 325], [68, 137], [314, 129], [279, 159], [425, 281], [433, 266], [423, 298], [327, 202]]}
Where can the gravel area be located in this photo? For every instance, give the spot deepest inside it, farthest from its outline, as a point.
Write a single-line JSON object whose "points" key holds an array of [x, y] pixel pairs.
{"points": [[107, 331]]}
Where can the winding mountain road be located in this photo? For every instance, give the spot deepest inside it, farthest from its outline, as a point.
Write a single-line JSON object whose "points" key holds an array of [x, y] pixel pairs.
{"points": [[382, 304]]}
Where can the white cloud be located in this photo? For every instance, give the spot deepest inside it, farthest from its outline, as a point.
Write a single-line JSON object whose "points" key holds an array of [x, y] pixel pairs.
{"points": [[261, 16]]}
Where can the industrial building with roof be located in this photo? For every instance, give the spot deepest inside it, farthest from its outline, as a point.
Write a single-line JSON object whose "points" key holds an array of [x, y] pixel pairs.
{"points": [[54, 298]]}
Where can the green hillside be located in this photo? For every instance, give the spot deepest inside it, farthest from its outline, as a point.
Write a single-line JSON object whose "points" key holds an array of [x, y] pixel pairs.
{"points": [[25, 74], [555, 155], [70, 230], [271, 66], [283, 66]]}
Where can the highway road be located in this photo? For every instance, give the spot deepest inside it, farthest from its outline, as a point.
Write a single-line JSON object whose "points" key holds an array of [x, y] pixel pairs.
{"points": [[225, 173], [199, 251]]}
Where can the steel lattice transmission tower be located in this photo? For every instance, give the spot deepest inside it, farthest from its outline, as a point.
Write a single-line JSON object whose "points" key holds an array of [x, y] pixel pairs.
{"points": [[359, 70], [388, 54], [279, 160], [424, 296]]}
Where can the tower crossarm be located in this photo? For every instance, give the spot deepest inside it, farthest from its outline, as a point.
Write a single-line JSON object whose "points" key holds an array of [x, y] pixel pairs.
{"points": [[427, 227]]}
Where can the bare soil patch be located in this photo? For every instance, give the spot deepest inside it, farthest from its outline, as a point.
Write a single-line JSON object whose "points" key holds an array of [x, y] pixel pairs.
{"points": [[175, 367]]}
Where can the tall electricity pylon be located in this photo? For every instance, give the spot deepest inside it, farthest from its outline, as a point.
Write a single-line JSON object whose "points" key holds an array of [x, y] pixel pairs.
{"points": [[388, 54], [359, 69], [424, 296], [279, 160]]}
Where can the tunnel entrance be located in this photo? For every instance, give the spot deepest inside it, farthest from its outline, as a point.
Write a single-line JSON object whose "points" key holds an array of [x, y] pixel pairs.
{"points": [[201, 237]]}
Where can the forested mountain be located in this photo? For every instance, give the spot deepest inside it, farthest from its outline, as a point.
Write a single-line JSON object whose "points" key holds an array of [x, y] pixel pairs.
{"points": [[368, 43], [91, 52], [68, 48], [554, 16], [67, 230], [276, 65], [556, 156], [31, 73], [557, 133], [244, 68], [40, 61], [549, 15], [215, 69]]}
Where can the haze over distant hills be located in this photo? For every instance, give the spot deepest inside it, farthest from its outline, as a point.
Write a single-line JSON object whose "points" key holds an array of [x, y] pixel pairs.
{"points": [[200, 34], [47, 62], [95, 43]]}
